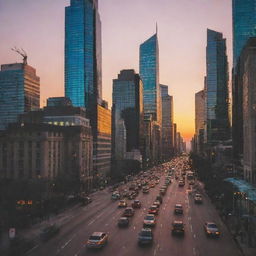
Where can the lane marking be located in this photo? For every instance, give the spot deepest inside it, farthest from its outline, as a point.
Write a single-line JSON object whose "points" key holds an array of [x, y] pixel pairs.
{"points": [[194, 251], [194, 235], [191, 228]]}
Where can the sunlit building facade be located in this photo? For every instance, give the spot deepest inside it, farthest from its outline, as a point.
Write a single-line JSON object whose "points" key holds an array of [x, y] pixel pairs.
{"points": [[19, 92], [244, 25], [167, 123], [217, 97], [83, 53]]}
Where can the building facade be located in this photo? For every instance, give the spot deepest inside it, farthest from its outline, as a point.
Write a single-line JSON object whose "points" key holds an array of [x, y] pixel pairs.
{"points": [[83, 53], [48, 143], [167, 123], [244, 23], [19, 92], [217, 96], [247, 64], [199, 120], [127, 114]]}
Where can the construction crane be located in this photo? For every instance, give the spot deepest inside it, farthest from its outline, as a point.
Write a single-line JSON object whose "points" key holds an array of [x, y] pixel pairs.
{"points": [[22, 53]]}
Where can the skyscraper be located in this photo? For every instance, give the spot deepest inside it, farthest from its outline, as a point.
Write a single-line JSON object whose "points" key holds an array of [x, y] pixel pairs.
{"points": [[127, 113], [244, 25], [149, 73], [83, 52], [167, 123], [19, 92], [199, 120], [217, 98]]}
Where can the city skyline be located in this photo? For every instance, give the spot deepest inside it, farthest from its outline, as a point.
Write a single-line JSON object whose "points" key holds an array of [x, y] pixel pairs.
{"points": [[187, 28]]}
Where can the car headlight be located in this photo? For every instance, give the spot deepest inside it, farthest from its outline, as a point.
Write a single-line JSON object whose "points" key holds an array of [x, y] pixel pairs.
{"points": [[217, 233], [208, 232]]}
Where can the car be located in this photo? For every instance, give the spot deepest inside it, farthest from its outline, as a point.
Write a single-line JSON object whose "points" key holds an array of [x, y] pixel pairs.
{"points": [[198, 199], [136, 204], [191, 182], [178, 228], [48, 232], [149, 220], [123, 222], [145, 190], [157, 204], [128, 212], [97, 240], [162, 191], [115, 195], [178, 209], [145, 236], [181, 183], [153, 209], [85, 200], [159, 198], [122, 203], [211, 229]]}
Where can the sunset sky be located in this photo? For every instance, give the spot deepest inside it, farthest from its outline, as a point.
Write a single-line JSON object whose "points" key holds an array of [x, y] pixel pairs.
{"points": [[38, 27]]}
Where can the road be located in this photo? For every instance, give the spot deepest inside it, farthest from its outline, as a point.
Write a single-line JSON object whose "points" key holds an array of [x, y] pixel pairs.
{"points": [[102, 215]]}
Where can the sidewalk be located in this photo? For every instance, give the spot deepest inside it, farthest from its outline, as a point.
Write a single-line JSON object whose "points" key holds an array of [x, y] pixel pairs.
{"points": [[33, 232]]}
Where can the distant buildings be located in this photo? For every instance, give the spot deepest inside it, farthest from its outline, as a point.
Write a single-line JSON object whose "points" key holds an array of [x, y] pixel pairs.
{"points": [[127, 116], [167, 123], [19, 92], [48, 143], [217, 97]]}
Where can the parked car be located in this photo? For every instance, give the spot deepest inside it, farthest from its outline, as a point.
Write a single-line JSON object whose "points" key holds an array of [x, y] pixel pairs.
{"points": [[97, 240], [85, 200], [153, 210]]}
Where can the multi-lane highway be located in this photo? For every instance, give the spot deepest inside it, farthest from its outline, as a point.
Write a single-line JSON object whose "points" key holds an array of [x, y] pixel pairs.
{"points": [[103, 213]]}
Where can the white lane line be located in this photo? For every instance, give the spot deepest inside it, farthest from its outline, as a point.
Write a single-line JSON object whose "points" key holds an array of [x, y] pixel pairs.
{"points": [[194, 251], [90, 223], [191, 228], [194, 235], [155, 252], [32, 249], [63, 246]]}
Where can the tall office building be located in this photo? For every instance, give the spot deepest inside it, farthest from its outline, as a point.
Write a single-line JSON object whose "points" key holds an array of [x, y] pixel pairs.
{"points": [[19, 92], [199, 120], [217, 97], [83, 53], [167, 123], [244, 25], [83, 76], [149, 73], [127, 114]]}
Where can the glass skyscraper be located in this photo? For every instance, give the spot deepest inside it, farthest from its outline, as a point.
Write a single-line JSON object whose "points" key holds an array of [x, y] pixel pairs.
{"points": [[19, 92], [217, 98], [149, 73], [244, 25], [83, 52], [127, 112]]}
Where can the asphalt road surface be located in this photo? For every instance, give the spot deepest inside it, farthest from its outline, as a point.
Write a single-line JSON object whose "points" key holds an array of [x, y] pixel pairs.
{"points": [[102, 215]]}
